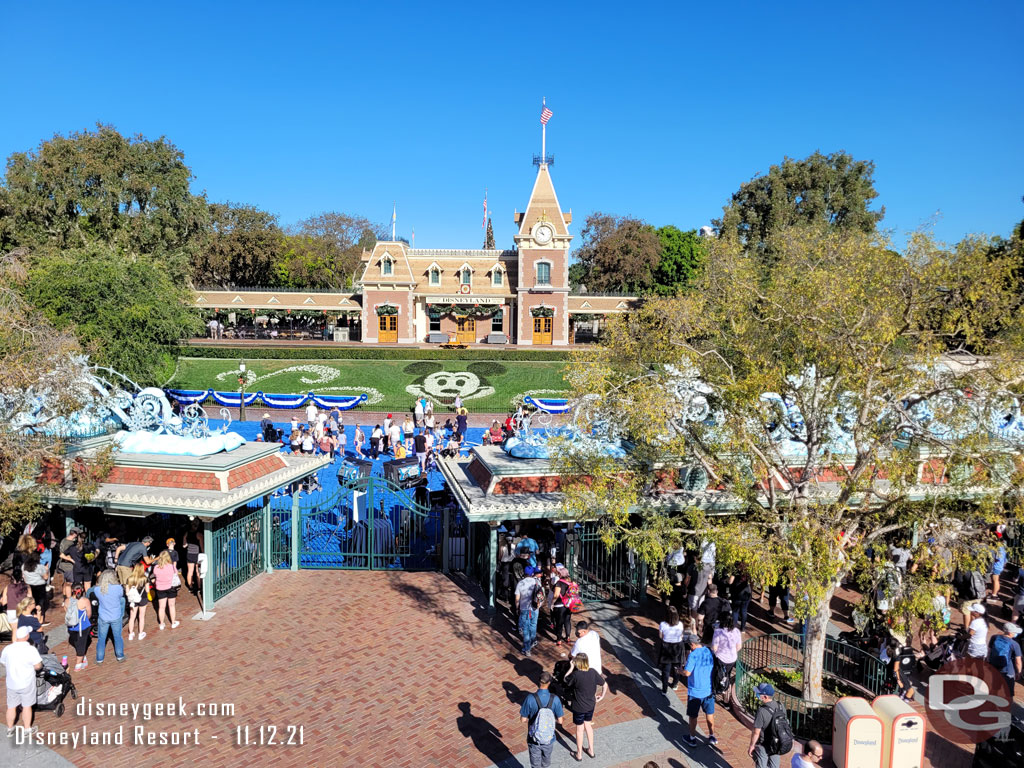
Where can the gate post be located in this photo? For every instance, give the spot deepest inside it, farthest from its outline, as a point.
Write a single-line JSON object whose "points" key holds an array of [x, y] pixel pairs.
{"points": [[265, 536], [213, 563], [492, 566], [295, 531], [445, 539]]}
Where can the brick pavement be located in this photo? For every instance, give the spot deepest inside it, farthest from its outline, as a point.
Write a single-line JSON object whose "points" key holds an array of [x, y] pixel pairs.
{"points": [[381, 669]]}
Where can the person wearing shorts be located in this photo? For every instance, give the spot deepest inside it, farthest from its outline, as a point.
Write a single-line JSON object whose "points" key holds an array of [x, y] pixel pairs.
{"points": [[699, 666], [20, 660], [193, 547], [78, 628], [585, 683]]}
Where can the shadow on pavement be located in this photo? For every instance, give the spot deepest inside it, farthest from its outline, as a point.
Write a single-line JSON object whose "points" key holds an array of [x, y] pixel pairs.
{"points": [[486, 738]]}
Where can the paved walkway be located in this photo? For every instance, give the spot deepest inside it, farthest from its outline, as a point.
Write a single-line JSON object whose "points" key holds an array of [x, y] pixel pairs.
{"points": [[378, 669]]}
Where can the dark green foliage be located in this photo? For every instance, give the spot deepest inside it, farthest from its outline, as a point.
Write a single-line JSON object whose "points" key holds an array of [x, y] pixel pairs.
{"points": [[833, 190], [683, 255], [127, 312]]}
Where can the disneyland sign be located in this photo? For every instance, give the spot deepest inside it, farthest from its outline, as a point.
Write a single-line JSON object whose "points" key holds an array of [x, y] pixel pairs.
{"points": [[466, 299]]}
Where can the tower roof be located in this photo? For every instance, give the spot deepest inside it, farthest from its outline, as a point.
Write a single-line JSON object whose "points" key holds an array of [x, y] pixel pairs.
{"points": [[543, 204]]}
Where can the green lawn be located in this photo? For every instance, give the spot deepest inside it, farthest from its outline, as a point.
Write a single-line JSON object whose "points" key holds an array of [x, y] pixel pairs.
{"points": [[390, 384]]}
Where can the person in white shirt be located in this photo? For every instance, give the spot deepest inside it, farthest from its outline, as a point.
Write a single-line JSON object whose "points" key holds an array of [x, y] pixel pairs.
{"points": [[394, 436], [977, 648], [311, 413], [810, 757], [385, 442], [20, 660], [588, 642]]}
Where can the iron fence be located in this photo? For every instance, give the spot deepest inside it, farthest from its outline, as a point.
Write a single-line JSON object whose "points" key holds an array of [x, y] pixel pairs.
{"points": [[237, 551], [604, 574], [766, 658]]}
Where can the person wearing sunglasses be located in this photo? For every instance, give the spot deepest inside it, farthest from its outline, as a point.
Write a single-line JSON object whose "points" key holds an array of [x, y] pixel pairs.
{"points": [[812, 755]]}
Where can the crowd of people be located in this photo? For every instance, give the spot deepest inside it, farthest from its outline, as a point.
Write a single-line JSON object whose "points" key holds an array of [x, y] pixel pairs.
{"points": [[104, 585]]}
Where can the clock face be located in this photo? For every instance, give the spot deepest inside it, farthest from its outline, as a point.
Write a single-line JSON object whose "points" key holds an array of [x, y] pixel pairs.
{"points": [[543, 234]]}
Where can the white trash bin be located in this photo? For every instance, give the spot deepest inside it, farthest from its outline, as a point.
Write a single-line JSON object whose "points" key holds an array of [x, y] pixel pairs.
{"points": [[856, 734]]}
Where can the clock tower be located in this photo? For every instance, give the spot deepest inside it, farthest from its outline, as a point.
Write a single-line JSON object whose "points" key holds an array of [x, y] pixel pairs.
{"points": [[542, 316]]}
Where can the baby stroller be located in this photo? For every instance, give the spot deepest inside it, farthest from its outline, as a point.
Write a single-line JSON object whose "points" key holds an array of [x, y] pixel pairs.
{"points": [[53, 683], [558, 686]]}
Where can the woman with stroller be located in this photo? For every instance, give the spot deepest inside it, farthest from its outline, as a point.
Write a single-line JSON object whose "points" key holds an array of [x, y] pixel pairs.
{"points": [[670, 649], [138, 601], [166, 591], [78, 624]]}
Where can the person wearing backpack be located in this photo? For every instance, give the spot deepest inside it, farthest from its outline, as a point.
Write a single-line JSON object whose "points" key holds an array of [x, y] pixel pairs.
{"points": [[542, 711], [529, 597], [1004, 654], [772, 736]]}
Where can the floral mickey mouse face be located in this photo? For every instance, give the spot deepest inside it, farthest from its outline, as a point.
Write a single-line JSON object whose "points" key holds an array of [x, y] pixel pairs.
{"points": [[436, 383]]}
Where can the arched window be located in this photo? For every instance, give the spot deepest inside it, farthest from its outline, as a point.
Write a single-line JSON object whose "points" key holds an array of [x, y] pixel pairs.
{"points": [[435, 276], [466, 276], [543, 273]]}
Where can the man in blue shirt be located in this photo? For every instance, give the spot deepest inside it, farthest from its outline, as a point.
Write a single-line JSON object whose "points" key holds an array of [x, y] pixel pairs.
{"points": [[540, 754], [698, 669], [527, 547]]}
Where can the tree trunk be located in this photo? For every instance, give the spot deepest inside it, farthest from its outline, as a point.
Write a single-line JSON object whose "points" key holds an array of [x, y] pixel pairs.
{"points": [[814, 650]]}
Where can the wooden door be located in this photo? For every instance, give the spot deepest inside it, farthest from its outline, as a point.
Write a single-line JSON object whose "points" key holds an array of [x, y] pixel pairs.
{"points": [[388, 329], [542, 330], [466, 331]]}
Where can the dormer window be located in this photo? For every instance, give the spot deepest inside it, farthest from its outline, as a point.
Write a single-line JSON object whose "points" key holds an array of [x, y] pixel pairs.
{"points": [[387, 266], [466, 276], [435, 276], [496, 277], [543, 273]]}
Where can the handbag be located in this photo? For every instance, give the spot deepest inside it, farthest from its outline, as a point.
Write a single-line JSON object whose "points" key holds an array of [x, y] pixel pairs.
{"points": [[175, 580], [134, 596]]}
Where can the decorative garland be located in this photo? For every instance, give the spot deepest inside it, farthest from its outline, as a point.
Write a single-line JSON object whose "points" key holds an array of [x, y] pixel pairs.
{"points": [[479, 311], [542, 312], [386, 310]]}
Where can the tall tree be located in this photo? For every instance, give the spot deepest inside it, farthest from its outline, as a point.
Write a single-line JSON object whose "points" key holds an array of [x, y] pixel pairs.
{"points": [[244, 246], [128, 312], [844, 335], [489, 237], [618, 253], [131, 193], [345, 236], [37, 368], [833, 190], [682, 257]]}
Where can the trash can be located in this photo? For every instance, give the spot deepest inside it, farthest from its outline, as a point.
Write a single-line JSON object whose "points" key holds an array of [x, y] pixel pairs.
{"points": [[903, 731], [856, 734]]}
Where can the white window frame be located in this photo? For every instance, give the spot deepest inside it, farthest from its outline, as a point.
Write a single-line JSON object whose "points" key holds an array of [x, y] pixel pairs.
{"points": [[497, 277], [434, 271], [536, 271], [462, 276], [387, 266]]}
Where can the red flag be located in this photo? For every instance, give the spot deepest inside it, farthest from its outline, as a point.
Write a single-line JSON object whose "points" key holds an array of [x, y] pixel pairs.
{"points": [[545, 115]]}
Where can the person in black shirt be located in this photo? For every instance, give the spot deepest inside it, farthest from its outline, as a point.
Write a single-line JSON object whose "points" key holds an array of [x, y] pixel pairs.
{"points": [[740, 592], [710, 612], [585, 683], [420, 444]]}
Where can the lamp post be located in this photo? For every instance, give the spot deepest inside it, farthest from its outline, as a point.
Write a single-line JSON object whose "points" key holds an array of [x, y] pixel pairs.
{"points": [[241, 391]]}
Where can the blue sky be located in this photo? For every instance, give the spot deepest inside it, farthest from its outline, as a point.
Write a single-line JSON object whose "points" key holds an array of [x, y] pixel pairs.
{"points": [[661, 110]]}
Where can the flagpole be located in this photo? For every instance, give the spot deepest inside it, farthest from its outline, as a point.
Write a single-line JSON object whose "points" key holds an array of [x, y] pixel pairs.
{"points": [[543, 135], [394, 214]]}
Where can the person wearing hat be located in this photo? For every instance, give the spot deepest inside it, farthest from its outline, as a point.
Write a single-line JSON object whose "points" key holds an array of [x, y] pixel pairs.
{"points": [[20, 660], [1005, 655], [765, 693], [977, 648], [267, 428], [529, 607], [385, 438]]}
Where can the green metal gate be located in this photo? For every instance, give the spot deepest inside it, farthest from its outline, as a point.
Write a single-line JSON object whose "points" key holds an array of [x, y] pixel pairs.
{"points": [[604, 574], [237, 551], [370, 524]]}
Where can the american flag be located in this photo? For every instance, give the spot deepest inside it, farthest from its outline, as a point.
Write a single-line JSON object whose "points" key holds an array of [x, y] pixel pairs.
{"points": [[545, 115], [484, 225]]}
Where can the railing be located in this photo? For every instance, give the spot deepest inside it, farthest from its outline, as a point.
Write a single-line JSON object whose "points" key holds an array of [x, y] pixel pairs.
{"points": [[604, 574], [784, 653], [237, 552]]}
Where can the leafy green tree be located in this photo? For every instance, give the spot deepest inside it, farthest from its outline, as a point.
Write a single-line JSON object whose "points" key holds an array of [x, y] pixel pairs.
{"points": [[130, 193], [618, 253], [682, 257], [845, 332], [326, 249], [128, 312], [245, 245], [833, 190]]}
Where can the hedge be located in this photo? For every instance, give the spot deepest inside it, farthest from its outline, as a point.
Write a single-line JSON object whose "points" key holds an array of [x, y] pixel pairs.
{"points": [[369, 353]]}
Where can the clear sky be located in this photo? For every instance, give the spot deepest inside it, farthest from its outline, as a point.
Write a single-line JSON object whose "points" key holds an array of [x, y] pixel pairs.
{"points": [[661, 110]]}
